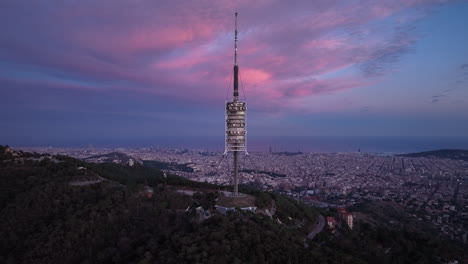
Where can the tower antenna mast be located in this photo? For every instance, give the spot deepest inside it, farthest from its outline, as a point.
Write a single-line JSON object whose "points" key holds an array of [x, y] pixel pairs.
{"points": [[235, 41], [236, 67]]}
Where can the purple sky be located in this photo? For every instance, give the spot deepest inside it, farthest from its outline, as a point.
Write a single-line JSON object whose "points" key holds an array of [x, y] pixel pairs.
{"points": [[93, 70]]}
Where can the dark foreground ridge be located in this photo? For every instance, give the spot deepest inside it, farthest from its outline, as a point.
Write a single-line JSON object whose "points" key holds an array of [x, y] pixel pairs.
{"points": [[455, 154], [57, 209]]}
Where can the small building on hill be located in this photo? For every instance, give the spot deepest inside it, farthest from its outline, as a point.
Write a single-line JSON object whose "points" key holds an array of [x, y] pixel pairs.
{"points": [[346, 217], [147, 192], [331, 222], [224, 210], [250, 208], [349, 219]]}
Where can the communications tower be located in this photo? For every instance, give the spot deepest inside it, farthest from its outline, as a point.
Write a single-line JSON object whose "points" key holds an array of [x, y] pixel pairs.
{"points": [[235, 121]]}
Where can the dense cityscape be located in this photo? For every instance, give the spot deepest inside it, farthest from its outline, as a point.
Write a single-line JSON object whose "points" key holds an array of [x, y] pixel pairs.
{"points": [[431, 190]]}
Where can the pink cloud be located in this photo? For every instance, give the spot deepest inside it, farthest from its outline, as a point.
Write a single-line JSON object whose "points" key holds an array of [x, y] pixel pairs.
{"points": [[184, 49], [255, 76]]}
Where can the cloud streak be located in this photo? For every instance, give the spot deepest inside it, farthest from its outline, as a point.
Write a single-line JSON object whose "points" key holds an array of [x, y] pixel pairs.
{"points": [[458, 82]]}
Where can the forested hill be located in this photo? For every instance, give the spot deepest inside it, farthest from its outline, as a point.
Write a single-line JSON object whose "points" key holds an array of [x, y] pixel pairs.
{"points": [[455, 154], [56, 209]]}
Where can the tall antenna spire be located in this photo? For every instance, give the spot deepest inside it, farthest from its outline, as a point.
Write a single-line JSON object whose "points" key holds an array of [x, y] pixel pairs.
{"points": [[236, 67], [235, 41]]}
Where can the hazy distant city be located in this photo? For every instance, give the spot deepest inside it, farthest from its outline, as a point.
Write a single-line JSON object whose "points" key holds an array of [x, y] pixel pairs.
{"points": [[431, 189]]}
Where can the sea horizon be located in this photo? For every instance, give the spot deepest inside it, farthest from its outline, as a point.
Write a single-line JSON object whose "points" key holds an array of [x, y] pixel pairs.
{"points": [[309, 144]]}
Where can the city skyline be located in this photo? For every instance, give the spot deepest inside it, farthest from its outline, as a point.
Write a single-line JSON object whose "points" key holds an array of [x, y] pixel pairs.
{"points": [[90, 71]]}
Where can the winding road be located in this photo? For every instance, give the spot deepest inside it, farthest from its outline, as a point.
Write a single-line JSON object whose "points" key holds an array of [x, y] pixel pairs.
{"points": [[318, 228]]}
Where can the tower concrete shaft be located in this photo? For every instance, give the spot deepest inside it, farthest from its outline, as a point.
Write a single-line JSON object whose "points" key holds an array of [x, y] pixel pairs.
{"points": [[236, 173]]}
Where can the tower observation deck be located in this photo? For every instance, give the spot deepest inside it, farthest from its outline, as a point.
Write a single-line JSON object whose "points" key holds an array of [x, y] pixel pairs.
{"points": [[236, 120]]}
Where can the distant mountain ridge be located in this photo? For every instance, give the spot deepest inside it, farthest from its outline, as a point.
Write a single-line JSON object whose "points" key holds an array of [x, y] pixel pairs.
{"points": [[112, 157], [454, 154]]}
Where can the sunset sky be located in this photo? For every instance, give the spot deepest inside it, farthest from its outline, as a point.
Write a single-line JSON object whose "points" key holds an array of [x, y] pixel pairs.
{"points": [[94, 69]]}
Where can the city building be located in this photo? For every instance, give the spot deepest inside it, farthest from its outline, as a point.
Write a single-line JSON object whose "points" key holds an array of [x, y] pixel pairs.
{"points": [[349, 219], [331, 222]]}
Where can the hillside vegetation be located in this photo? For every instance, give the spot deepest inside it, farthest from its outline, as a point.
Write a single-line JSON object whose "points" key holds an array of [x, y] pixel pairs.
{"points": [[56, 209]]}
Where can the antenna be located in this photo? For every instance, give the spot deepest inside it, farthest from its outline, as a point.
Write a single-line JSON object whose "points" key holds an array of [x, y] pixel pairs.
{"points": [[236, 67], [235, 40]]}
